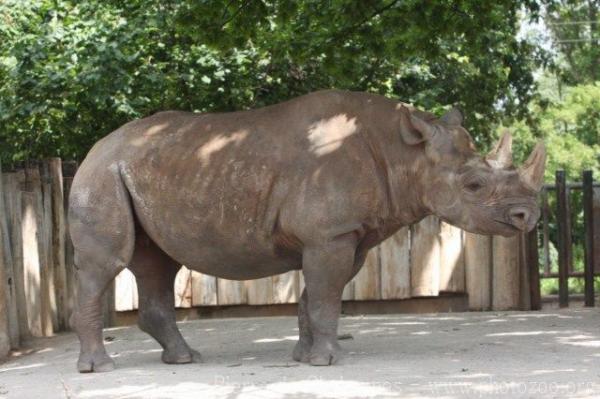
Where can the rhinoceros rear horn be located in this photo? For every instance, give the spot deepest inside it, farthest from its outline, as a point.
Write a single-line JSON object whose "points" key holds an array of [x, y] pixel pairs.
{"points": [[501, 156], [532, 171]]}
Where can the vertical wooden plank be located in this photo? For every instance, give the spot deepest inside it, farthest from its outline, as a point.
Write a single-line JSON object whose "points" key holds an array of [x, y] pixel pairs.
{"points": [[588, 221], [260, 291], [33, 183], [32, 305], [125, 292], [452, 261], [58, 240], [347, 294], [286, 287], [394, 257], [5, 285], [204, 289], [48, 274], [7, 193], [546, 231], [231, 292], [564, 238], [596, 213], [15, 202], [478, 270], [4, 329], [532, 264], [70, 270], [524, 274], [505, 273], [425, 257], [183, 288], [366, 281]]}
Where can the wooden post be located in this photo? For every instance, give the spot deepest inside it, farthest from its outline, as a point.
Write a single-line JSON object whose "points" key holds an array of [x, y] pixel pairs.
{"points": [[70, 271], [588, 220], [347, 294], [532, 264], [564, 238], [46, 230], [524, 296], [32, 305], [394, 256], [183, 288], [14, 204], [7, 192], [505, 273], [596, 213], [58, 241], [5, 286], [425, 257], [478, 270], [285, 287], [367, 280], [231, 292], [126, 293], [546, 231], [204, 289], [452, 261]]}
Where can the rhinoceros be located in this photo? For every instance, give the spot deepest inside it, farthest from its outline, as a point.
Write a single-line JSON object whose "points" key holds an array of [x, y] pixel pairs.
{"points": [[309, 184]]}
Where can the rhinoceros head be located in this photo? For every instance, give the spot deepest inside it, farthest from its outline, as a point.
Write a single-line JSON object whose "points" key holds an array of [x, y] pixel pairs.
{"points": [[485, 195]]}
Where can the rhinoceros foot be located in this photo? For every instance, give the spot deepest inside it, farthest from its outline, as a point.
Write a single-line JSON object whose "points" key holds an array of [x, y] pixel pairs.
{"points": [[301, 351], [97, 362], [177, 356], [325, 356]]}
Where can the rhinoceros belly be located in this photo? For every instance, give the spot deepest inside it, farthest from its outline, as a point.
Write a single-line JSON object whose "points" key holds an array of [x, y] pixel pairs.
{"points": [[223, 224]]}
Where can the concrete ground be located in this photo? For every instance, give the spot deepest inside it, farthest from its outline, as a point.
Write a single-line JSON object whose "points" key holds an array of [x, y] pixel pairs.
{"points": [[550, 354]]}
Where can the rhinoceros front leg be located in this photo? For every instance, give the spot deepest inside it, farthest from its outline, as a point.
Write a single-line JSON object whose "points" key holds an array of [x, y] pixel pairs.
{"points": [[305, 340], [326, 268]]}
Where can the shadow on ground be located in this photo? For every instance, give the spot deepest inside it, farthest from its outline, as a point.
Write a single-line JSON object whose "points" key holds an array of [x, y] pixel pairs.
{"points": [[508, 354]]}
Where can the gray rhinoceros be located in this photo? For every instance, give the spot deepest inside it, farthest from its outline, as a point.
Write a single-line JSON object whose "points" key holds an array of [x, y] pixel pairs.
{"points": [[310, 184]]}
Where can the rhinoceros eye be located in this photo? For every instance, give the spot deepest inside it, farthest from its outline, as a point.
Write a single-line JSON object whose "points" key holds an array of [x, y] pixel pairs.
{"points": [[474, 186]]}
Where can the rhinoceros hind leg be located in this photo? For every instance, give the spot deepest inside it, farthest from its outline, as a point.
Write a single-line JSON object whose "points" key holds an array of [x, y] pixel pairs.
{"points": [[155, 274], [102, 230], [326, 268]]}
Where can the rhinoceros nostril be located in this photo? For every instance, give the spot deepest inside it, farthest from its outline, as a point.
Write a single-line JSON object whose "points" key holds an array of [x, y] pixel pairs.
{"points": [[519, 217]]}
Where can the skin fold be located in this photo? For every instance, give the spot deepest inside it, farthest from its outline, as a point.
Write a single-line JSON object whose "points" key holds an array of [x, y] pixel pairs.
{"points": [[312, 184]]}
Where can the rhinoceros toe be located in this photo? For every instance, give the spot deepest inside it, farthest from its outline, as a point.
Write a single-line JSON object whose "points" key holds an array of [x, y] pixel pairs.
{"points": [[98, 363]]}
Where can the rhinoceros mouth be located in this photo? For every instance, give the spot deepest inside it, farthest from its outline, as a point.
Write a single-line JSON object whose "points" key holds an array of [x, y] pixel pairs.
{"points": [[510, 225]]}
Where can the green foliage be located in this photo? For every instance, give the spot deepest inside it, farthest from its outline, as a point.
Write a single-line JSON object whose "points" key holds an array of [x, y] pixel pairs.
{"points": [[575, 27], [570, 128], [549, 286], [72, 71]]}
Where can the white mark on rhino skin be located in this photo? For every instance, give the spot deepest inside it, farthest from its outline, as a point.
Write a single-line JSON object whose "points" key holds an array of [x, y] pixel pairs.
{"points": [[217, 143], [151, 131], [327, 135]]}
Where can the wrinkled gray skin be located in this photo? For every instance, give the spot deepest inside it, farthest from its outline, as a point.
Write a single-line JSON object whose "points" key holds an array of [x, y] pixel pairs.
{"points": [[308, 184]]}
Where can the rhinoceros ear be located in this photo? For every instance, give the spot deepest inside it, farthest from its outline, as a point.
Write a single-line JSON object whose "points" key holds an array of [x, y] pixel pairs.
{"points": [[452, 117], [415, 130], [501, 155]]}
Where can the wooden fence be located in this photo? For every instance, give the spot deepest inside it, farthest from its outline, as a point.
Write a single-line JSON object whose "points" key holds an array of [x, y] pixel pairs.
{"points": [[37, 279], [563, 217]]}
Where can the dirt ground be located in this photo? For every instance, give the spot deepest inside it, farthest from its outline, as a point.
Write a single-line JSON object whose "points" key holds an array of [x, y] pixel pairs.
{"points": [[550, 354]]}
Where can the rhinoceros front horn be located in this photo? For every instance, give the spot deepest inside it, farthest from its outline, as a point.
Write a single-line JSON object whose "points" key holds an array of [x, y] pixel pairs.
{"points": [[501, 155], [532, 171]]}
